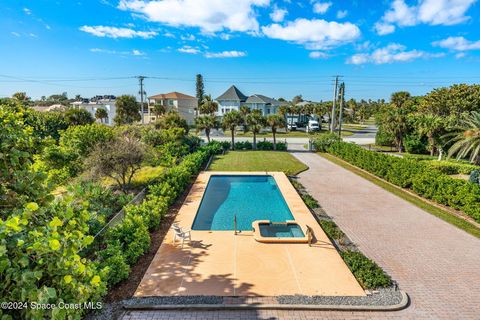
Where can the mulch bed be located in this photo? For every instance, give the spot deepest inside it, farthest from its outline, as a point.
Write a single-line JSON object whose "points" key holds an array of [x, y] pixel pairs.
{"points": [[126, 289]]}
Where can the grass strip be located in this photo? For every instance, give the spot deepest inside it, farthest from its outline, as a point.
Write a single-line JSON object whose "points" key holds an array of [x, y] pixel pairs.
{"points": [[422, 204]]}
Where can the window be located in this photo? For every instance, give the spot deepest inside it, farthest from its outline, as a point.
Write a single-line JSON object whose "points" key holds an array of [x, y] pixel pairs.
{"points": [[170, 102]]}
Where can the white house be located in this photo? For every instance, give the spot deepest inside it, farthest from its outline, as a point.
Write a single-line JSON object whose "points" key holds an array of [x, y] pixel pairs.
{"points": [[184, 104], [106, 102], [233, 99]]}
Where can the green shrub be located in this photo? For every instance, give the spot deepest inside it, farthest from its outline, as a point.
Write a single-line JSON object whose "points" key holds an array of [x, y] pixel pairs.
{"points": [[310, 201], [132, 235], [417, 175], [367, 272], [331, 229], [281, 146], [383, 138], [415, 144], [113, 261], [450, 167], [264, 145], [243, 145], [324, 141]]}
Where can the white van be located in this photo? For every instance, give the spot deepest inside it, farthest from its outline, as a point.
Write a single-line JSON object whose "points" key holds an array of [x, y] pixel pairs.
{"points": [[313, 126]]}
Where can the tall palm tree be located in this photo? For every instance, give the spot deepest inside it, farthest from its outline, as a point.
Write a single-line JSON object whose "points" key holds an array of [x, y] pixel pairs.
{"points": [[208, 106], [207, 123], [230, 121], [466, 139], [244, 110], [430, 125], [256, 122], [395, 117], [101, 114], [283, 111], [275, 121]]}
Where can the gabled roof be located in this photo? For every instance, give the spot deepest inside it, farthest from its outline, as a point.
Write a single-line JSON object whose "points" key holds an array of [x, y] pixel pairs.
{"points": [[258, 98], [172, 95], [232, 94]]}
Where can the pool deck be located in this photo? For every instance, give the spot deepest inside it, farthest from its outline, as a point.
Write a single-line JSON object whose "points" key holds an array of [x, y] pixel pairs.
{"points": [[223, 264]]}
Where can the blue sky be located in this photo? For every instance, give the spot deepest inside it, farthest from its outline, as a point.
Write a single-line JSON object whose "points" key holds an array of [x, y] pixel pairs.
{"points": [[277, 48]]}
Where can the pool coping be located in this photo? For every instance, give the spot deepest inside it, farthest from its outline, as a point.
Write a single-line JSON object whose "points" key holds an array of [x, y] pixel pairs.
{"points": [[404, 303]]}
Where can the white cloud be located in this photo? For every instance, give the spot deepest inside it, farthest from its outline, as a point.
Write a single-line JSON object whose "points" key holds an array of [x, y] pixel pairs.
{"points": [[134, 52], [392, 53], [113, 32], [321, 7], [342, 14], [457, 44], [460, 55], [169, 35], [188, 37], [16, 34], [27, 11], [209, 16], [318, 55], [226, 54], [278, 14], [225, 36], [189, 50], [432, 12], [314, 34]]}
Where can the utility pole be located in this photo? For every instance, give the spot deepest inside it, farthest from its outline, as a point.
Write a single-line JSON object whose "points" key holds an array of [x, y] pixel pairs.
{"points": [[332, 117], [342, 102], [142, 92]]}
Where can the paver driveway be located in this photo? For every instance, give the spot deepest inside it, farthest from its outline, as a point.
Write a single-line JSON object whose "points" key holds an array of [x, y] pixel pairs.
{"points": [[437, 264]]}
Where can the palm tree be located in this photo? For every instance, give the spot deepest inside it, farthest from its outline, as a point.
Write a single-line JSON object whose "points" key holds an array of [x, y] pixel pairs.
{"points": [[395, 117], [230, 121], [208, 106], [255, 121], [101, 114], [467, 139], [275, 121], [430, 125], [244, 110], [283, 111], [207, 123]]}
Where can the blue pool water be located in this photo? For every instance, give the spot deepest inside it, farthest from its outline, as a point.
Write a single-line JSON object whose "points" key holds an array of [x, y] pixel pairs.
{"points": [[249, 198], [281, 230]]}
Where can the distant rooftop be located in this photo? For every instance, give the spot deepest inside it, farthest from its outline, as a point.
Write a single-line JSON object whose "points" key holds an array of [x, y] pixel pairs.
{"points": [[172, 95], [233, 94]]}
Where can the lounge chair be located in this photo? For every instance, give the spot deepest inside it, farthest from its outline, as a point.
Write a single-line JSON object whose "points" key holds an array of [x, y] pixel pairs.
{"points": [[181, 234]]}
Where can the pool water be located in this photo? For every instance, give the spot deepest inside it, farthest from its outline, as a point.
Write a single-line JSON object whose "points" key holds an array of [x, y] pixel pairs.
{"points": [[249, 198], [281, 230]]}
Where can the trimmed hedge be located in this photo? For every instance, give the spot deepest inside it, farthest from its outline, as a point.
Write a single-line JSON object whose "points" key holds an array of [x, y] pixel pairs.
{"points": [[449, 167], [261, 145], [367, 272], [129, 240], [415, 175]]}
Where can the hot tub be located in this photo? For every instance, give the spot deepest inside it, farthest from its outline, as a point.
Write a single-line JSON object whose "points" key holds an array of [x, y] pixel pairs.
{"points": [[276, 232]]}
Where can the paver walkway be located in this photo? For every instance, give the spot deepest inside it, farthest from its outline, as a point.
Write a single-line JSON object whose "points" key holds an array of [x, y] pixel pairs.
{"points": [[437, 264]]}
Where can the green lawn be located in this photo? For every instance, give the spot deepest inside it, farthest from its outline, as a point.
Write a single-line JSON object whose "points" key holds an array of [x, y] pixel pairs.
{"points": [[257, 161], [417, 201]]}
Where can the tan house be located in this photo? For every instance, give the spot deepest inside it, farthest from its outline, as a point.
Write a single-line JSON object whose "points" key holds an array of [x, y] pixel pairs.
{"points": [[184, 104]]}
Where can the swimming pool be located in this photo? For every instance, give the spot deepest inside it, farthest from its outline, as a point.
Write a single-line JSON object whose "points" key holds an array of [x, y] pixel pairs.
{"points": [[249, 198]]}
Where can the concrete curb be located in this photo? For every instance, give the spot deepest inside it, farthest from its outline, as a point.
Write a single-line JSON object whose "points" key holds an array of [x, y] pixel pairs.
{"points": [[320, 307]]}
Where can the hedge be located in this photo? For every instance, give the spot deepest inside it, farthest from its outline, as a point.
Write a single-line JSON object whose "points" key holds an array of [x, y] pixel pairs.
{"points": [[415, 175], [129, 240]]}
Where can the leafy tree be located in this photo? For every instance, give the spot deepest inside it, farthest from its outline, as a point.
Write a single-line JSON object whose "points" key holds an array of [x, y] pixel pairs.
{"points": [[119, 160], [200, 88], [297, 99], [275, 121], [172, 120], [430, 126], [159, 110], [208, 106], [101, 114], [451, 101], [78, 117], [255, 122], [21, 97], [207, 123], [230, 121], [128, 110], [47, 124], [466, 138], [19, 184]]}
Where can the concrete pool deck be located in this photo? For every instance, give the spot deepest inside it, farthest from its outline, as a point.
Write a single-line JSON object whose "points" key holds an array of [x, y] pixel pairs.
{"points": [[223, 264]]}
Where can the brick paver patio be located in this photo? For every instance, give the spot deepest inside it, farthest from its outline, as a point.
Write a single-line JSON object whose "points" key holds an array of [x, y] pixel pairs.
{"points": [[437, 264]]}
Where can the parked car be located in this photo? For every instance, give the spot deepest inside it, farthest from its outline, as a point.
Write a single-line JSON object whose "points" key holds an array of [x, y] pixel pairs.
{"points": [[313, 126], [292, 127]]}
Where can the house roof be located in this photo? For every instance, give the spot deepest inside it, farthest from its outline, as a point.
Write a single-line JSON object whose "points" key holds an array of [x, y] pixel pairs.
{"points": [[232, 94], [172, 95], [258, 98]]}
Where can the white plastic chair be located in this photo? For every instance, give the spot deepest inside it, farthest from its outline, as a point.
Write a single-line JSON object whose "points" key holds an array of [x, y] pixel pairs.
{"points": [[181, 234]]}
